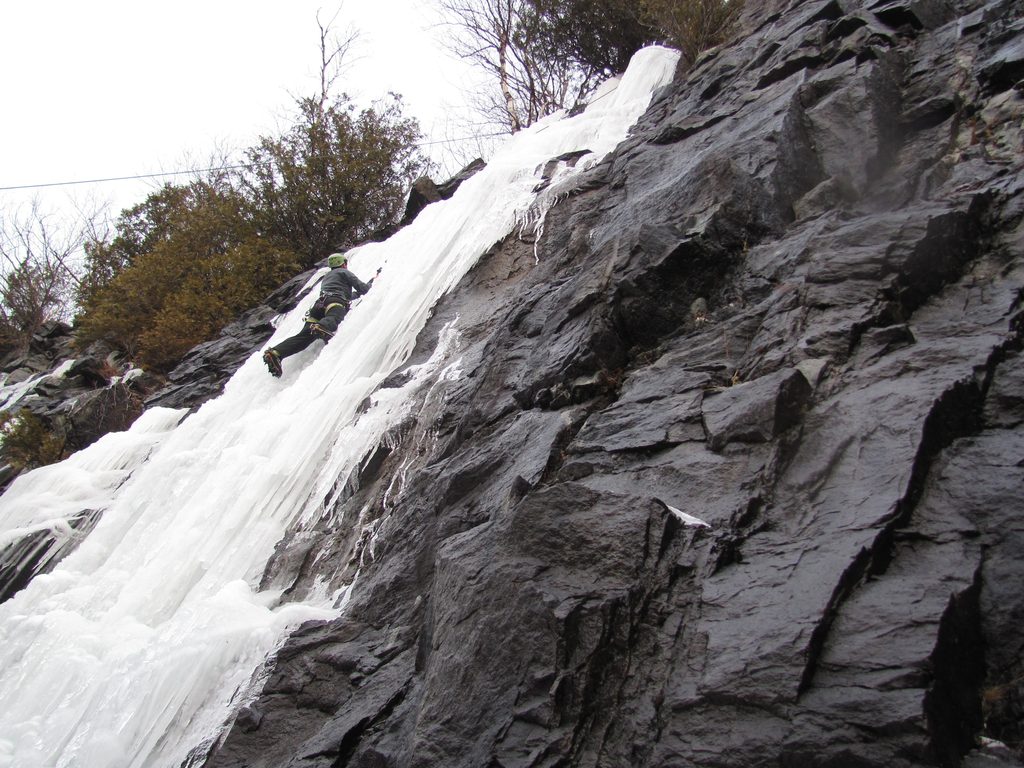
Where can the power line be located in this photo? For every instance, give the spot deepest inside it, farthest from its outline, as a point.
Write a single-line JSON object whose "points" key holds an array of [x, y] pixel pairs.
{"points": [[464, 138], [141, 176], [125, 178]]}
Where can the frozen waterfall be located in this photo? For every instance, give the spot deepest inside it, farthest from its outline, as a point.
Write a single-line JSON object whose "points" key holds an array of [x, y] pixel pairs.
{"points": [[131, 650]]}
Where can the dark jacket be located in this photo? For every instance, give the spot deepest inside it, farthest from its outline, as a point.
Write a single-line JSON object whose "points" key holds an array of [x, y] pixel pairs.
{"points": [[340, 283]]}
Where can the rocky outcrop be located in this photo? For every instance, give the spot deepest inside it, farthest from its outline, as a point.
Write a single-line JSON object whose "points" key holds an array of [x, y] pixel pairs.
{"points": [[79, 395], [732, 472], [51, 343], [76, 396], [424, 192]]}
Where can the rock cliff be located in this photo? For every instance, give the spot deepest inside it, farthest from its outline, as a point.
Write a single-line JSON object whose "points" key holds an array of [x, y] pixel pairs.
{"points": [[78, 395], [728, 465]]}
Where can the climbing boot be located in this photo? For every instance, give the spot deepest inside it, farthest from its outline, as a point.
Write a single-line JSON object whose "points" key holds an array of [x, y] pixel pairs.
{"points": [[273, 361]]}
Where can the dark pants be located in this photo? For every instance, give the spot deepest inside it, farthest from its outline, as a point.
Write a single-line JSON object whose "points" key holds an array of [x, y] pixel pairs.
{"points": [[327, 313]]}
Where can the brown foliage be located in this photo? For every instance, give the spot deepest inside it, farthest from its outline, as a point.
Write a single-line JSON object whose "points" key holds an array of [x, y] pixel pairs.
{"points": [[209, 266], [693, 26], [544, 55]]}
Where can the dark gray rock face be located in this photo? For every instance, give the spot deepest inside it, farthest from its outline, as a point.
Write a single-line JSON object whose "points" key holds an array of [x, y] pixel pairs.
{"points": [[95, 391], [424, 191], [52, 342], [790, 306]]}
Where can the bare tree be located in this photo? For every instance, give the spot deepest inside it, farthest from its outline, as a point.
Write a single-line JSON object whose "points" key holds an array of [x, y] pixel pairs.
{"points": [[464, 142], [501, 36], [39, 270], [334, 50]]}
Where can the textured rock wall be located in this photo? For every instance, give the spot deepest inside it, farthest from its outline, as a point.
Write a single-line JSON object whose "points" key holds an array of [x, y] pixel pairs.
{"points": [[789, 306], [79, 395]]}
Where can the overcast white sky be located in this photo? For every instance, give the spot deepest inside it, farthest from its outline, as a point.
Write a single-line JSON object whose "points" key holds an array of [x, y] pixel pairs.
{"points": [[109, 88]]}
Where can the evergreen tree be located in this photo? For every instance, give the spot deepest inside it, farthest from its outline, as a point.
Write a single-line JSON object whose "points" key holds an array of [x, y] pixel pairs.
{"points": [[599, 36], [336, 176], [190, 260], [693, 26], [26, 442], [138, 230]]}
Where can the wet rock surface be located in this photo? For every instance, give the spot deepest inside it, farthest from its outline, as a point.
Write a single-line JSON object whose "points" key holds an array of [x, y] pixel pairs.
{"points": [[79, 394], [789, 306]]}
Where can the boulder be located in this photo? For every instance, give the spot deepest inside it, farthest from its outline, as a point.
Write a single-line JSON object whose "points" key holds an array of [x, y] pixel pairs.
{"points": [[756, 411]]}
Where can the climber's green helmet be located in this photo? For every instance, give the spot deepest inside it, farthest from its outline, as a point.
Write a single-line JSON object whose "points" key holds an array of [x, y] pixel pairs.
{"points": [[336, 260]]}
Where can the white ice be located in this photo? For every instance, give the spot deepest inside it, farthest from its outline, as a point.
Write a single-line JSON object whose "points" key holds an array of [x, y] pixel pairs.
{"points": [[686, 519], [129, 652], [11, 394]]}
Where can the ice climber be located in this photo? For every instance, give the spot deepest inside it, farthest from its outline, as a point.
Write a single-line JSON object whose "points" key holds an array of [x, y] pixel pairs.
{"points": [[321, 322]]}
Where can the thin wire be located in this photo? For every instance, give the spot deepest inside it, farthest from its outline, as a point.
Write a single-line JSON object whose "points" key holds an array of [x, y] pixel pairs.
{"points": [[126, 178], [205, 170]]}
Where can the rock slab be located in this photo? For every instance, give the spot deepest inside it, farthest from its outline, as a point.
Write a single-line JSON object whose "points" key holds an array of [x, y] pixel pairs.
{"points": [[788, 306]]}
